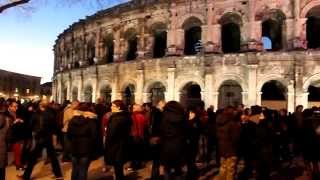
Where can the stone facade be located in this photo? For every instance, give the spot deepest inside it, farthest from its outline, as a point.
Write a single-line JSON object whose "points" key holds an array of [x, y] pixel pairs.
{"points": [[116, 53]]}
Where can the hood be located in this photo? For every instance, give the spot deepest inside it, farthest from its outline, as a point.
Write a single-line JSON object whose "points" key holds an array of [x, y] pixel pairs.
{"points": [[85, 114]]}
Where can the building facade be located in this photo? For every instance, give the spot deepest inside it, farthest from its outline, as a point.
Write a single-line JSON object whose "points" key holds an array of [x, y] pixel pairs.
{"points": [[21, 86], [224, 52]]}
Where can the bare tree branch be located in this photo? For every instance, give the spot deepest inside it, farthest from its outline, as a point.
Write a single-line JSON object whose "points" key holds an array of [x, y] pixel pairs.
{"points": [[13, 3]]}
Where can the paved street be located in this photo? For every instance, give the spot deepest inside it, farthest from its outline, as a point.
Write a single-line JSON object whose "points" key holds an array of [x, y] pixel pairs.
{"points": [[43, 172]]}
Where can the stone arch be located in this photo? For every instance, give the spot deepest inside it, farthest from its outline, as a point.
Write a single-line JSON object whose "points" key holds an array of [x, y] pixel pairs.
{"points": [[305, 10], [108, 46], [309, 80], [230, 94], [274, 95], [74, 93], [190, 94], [231, 25], [274, 28], [155, 92], [149, 83], [91, 51], [313, 27], [128, 94], [131, 36], [158, 31], [187, 16], [192, 35], [187, 80], [271, 77], [105, 90], [88, 93], [230, 77]]}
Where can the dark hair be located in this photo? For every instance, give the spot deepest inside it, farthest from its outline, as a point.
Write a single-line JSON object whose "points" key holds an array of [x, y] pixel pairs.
{"points": [[174, 106], [256, 110], [85, 107], [299, 106], [10, 101], [120, 104]]}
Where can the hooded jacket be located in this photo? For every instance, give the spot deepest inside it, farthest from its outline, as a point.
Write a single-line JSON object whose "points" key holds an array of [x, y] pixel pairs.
{"points": [[82, 132]]}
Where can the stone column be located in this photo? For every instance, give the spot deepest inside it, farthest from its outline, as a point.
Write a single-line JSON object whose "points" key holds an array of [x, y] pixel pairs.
{"points": [[60, 89], [258, 93], [216, 33], [180, 41], [69, 96], [302, 99], [80, 88], [245, 98], [140, 83], [300, 34], [215, 99], [117, 43], [170, 95], [291, 97], [208, 99], [252, 85], [146, 97]]}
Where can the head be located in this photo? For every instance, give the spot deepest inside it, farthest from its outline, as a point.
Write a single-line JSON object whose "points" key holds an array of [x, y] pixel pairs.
{"points": [[74, 104], [161, 105], [12, 105], [136, 108], [118, 106], [299, 108], [44, 103], [86, 107], [256, 110]]}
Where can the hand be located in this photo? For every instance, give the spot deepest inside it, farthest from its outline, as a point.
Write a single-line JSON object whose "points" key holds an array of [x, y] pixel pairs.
{"points": [[155, 140], [18, 120]]}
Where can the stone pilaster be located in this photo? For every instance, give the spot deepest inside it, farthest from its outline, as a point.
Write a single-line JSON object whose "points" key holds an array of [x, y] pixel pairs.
{"points": [[140, 84], [170, 95], [252, 85]]}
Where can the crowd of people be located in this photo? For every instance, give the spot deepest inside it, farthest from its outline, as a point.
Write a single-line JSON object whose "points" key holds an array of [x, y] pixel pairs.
{"points": [[167, 134]]}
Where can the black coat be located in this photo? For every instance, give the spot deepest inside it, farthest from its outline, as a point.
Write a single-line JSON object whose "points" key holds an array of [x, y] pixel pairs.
{"points": [[82, 133], [173, 138], [117, 138], [4, 125], [43, 125]]}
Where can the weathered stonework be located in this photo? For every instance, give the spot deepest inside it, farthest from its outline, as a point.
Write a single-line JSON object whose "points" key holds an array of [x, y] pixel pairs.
{"points": [[81, 68]]}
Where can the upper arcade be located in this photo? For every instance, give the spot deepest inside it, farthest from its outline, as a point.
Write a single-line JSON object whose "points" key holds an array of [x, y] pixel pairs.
{"points": [[158, 28]]}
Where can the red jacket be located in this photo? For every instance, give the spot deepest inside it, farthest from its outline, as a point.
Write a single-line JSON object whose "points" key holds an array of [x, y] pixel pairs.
{"points": [[139, 124]]}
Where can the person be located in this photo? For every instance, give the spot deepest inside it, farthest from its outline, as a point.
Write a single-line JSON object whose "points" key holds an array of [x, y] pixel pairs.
{"points": [[82, 135], [67, 116], [16, 132], [193, 137], [173, 140], [4, 126], [117, 138], [154, 132], [138, 133], [43, 126], [228, 132]]}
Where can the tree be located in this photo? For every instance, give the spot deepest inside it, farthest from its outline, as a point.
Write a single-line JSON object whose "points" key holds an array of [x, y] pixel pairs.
{"points": [[7, 4], [11, 3]]}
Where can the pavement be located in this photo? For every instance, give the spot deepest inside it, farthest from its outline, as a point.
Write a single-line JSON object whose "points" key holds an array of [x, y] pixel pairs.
{"points": [[43, 171]]}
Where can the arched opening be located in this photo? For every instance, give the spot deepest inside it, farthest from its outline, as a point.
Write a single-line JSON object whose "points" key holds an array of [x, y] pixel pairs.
{"points": [[76, 65], [132, 44], [109, 48], [230, 94], [230, 33], [160, 40], [190, 94], [128, 94], [157, 93], [74, 94], [105, 93], [91, 52], [88, 94], [64, 95], [272, 28], [314, 94], [192, 35], [313, 27], [274, 95]]}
